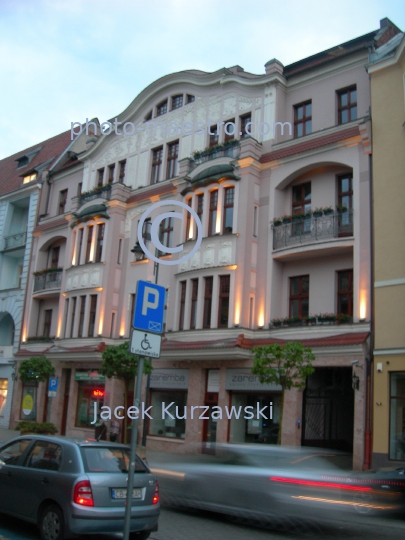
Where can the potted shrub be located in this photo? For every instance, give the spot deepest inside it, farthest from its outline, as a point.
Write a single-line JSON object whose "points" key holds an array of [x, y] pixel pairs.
{"points": [[44, 428], [327, 211]]}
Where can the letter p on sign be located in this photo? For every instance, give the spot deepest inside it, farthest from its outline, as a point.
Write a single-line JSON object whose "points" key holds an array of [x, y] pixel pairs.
{"points": [[149, 307]]}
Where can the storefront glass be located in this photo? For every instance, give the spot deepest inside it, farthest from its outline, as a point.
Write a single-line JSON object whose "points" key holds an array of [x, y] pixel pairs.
{"points": [[89, 393], [3, 395], [256, 429], [397, 418], [163, 424]]}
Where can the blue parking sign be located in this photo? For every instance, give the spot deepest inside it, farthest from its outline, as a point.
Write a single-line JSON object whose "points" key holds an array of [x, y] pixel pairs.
{"points": [[149, 307], [53, 384]]}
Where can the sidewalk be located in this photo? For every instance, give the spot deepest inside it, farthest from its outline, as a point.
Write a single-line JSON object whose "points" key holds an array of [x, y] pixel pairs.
{"points": [[8, 434]]}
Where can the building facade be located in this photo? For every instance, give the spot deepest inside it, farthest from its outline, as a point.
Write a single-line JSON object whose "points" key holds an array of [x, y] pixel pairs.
{"points": [[277, 168], [387, 75]]}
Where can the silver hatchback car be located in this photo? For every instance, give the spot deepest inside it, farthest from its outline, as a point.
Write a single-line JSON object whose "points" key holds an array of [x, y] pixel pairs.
{"points": [[75, 486]]}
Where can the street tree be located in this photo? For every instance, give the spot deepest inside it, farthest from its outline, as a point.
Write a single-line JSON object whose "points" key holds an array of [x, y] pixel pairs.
{"points": [[286, 365]]}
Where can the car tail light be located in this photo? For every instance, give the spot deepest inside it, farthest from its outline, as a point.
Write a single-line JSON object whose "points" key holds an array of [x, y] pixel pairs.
{"points": [[155, 499], [83, 494], [319, 484]]}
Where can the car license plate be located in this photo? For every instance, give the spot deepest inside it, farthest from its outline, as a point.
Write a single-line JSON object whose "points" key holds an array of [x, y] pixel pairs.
{"points": [[122, 493]]}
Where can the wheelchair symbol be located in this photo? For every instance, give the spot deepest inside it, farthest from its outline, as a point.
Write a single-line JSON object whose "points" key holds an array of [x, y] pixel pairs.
{"points": [[145, 343]]}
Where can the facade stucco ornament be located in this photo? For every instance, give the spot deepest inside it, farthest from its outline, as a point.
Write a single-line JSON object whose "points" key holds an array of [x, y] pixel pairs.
{"points": [[201, 110], [225, 253], [215, 108], [195, 260], [245, 103], [184, 264], [258, 101], [209, 254], [229, 104]]}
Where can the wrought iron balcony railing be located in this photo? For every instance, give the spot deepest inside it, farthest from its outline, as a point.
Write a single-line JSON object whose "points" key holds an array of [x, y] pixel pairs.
{"points": [[15, 240], [104, 193], [213, 153], [309, 229], [49, 280]]}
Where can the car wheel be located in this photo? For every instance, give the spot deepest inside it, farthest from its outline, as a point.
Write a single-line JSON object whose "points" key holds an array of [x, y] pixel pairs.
{"points": [[141, 535], [52, 524]]}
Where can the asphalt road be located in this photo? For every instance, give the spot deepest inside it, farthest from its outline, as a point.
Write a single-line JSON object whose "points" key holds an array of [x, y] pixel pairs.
{"points": [[175, 525]]}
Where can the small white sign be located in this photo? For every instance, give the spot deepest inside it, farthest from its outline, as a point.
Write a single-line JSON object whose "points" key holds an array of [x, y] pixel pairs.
{"points": [[51, 393], [145, 344]]}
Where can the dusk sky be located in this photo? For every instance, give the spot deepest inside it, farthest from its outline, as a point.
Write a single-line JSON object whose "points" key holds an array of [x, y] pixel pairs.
{"points": [[63, 61]]}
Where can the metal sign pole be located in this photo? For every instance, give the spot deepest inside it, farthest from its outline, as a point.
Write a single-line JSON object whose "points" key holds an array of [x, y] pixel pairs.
{"points": [[132, 459]]}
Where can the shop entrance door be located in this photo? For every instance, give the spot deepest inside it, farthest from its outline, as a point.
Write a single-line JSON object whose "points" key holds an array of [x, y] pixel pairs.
{"points": [[210, 425], [328, 409]]}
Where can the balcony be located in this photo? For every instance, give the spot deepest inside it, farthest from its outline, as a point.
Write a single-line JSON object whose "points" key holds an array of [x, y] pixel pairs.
{"points": [[15, 241], [103, 192], [230, 149], [309, 230], [48, 280]]}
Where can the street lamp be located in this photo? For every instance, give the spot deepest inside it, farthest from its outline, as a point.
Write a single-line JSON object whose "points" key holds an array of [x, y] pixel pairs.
{"points": [[138, 252]]}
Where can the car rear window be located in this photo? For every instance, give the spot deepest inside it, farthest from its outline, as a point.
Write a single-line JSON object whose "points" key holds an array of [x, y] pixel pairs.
{"points": [[109, 460]]}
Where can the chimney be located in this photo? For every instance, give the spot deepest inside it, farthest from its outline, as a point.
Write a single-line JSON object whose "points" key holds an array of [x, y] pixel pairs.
{"points": [[274, 66]]}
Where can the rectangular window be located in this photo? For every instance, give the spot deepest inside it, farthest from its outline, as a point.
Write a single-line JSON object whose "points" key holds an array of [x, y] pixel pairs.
{"points": [[194, 296], [131, 320], [100, 177], [302, 119], [146, 232], [172, 159], [229, 130], [214, 135], [88, 394], [177, 101], [62, 201], [212, 220], [119, 251], [200, 205], [79, 250], [299, 296], [345, 292], [207, 301], [255, 220], [188, 219], [79, 188], [347, 105], [92, 318], [190, 98], [66, 318], [345, 202], [3, 395], [166, 232], [100, 242], [161, 108], [54, 256], [81, 316], [183, 285], [244, 127], [47, 323], [173, 425], [112, 324], [89, 241], [111, 170], [121, 178], [73, 315], [397, 416], [229, 195], [223, 304], [157, 156], [301, 204]]}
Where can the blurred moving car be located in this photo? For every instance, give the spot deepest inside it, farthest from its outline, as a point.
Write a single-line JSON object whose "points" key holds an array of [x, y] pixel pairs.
{"points": [[272, 482], [269, 437], [73, 486]]}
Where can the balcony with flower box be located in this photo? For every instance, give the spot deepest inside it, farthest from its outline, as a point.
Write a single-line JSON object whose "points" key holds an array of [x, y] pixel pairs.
{"points": [[326, 227], [47, 282], [312, 320], [227, 149]]}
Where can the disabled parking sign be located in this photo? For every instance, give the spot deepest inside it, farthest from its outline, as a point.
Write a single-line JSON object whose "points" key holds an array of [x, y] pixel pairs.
{"points": [[149, 307]]}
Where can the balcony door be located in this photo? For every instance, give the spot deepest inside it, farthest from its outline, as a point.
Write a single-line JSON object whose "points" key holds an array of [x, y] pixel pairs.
{"points": [[301, 204]]}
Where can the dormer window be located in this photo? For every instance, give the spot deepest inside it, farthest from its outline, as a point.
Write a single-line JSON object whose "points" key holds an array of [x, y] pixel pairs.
{"points": [[29, 178], [177, 101], [22, 162], [190, 98], [161, 108]]}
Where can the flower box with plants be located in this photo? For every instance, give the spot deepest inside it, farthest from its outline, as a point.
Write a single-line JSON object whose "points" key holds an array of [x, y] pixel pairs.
{"points": [[277, 222], [95, 191], [47, 271], [343, 318], [326, 318], [341, 208], [310, 319], [32, 339], [44, 428], [277, 323], [328, 210], [210, 150], [318, 212], [293, 321], [286, 219]]}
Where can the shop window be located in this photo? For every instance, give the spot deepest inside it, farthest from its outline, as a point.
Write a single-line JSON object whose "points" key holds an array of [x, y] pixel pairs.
{"points": [[3, 395], [397, 416], [157, 158], [255, 430], [88, 394], [73, 315], [172, 159], [229, 196], [121, 178], [207, 302], [183, 285], [212, 221], [88, 245], [164, 425], [47, 323], [345, 292], [29, 402], [194, 297], [92, 318], [347, 105], [299, 296], [302, 119], [81, 316], [100, 242], [223, 304], [62, 201]]}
